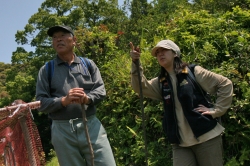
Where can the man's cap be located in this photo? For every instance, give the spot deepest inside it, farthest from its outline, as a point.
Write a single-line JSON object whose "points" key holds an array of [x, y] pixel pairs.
{"points": [[168, 44], [53, 29]]}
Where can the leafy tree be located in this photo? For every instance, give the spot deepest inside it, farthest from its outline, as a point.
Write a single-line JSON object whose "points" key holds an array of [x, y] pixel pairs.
{"points": [[219, 43], [216, 38], [4, 95], [214, 6]]}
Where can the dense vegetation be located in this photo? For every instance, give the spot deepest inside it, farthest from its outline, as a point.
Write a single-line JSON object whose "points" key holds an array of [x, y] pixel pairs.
{"points": [[213, 34]]}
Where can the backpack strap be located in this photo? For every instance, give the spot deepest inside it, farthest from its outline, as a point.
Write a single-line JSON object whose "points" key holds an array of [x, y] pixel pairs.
{"points": [[196, 84], [49, 66], [192, 77], [86, 63], [191, 67]]}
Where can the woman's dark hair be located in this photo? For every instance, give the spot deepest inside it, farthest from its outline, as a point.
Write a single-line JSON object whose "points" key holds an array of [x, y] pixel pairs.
{"points": [[178, 66]]}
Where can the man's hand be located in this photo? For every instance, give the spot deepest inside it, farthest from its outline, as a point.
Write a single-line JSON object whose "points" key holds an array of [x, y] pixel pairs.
{"points": [[76, 96]]}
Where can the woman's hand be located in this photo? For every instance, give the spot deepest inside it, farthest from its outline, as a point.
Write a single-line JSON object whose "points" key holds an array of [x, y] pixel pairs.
{"points": [[203, 110], [135, 52]]}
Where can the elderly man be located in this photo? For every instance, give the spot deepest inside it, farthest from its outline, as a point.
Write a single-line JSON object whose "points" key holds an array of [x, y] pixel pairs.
{"points": [[63, 86]]}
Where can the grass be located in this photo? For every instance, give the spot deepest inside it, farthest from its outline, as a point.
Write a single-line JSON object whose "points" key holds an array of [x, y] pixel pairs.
{"points": [[53, 162]]}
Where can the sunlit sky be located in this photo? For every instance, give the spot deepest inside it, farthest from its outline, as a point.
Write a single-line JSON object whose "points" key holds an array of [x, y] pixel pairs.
{"points": [[14, 15]]}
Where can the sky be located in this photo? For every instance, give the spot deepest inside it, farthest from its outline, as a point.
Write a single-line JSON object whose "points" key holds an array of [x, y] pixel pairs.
{"points": [[14, 15]]}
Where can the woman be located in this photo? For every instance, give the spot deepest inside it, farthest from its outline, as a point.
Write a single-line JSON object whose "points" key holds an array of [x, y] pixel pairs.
{"points": [[189, 122]]}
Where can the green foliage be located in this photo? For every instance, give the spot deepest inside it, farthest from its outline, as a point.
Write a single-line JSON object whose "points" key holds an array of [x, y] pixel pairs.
{"points": [[212, 34], [220, 43], [97, 44], [4, 95], [123, 111], [215, 6], [53, 161]]}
